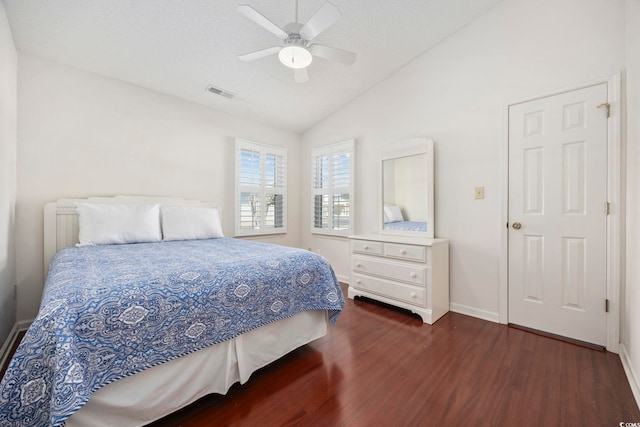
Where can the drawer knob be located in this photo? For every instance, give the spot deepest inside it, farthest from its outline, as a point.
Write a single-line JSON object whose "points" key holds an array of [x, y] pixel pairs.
{"points": [[413, 275], [413, 295], [403, 252], [366, 247], [358, 265], [359, 282]]}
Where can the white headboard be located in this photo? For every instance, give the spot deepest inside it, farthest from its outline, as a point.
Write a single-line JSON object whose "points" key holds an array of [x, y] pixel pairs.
{"points": [[61, 218]]}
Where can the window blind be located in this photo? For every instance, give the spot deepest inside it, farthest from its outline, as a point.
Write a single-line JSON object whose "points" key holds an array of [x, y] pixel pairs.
{"points": [[261, 189], [332, 188]]}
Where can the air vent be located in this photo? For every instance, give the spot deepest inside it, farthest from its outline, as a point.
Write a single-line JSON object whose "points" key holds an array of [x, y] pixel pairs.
{"points": [[220, 92]]}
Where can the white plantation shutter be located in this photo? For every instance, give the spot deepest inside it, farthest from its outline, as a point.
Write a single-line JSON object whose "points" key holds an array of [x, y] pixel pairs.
{"points": [[261, 189], [332, 188]]}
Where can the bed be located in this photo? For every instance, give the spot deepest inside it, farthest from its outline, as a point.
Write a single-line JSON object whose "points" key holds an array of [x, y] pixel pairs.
{"points": [[394, 220], [129, 333], [406, 226]]}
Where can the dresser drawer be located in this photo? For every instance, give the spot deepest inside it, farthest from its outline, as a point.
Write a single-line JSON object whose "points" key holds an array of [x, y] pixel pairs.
{"points": [[404, 272], [398, 291], [367, 247], [408, 252]]}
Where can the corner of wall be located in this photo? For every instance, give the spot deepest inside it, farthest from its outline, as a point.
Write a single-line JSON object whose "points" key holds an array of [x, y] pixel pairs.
{"points": [[633, 378], [8, 148], [630, 318]]}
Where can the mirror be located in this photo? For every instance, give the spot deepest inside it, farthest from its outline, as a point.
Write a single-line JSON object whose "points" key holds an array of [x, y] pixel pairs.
{"points": [[407, 193]]}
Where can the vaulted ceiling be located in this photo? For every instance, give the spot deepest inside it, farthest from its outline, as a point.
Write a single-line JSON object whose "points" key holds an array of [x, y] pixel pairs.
{"points": [[179, 47]]}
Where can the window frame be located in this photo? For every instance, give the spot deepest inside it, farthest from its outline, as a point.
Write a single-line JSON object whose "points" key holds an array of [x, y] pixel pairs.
{"points": [[262, 189], [332, 150]]}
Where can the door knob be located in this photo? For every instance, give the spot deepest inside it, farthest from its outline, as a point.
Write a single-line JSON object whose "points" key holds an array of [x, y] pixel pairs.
{"points": [[516, 226]]}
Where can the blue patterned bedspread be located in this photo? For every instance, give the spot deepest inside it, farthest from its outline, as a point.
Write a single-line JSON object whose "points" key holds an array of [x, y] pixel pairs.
{"points": [[406, 226], [110, 311]]}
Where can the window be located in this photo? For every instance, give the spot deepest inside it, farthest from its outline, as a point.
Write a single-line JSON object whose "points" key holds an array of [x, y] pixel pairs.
{"points": [[332, 188], [261, 189]]}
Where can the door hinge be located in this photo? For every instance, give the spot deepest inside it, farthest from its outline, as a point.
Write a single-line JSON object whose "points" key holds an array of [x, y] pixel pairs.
{"points": [[607, 108], [606, 305], [607, 208]]}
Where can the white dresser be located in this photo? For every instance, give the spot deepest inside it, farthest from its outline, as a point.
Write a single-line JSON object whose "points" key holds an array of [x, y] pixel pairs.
{"points": [[407, 272]]}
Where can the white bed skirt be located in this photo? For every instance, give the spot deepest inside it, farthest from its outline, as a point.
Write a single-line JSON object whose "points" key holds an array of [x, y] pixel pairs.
{"points": [[161, 390]]}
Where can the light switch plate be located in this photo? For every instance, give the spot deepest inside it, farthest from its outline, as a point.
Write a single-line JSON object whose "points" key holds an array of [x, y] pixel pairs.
{"points": [[479, 192]]}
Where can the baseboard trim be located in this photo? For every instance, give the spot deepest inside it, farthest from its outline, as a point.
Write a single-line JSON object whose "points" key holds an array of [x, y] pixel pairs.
{"points": [[11, 339], [343, 279], [457, 308], [475, 312], [8, 344], [631, 375]]}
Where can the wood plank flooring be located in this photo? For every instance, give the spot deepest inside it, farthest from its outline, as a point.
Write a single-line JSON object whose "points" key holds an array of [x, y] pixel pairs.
{"points": [[13, 349], [383, 367]]}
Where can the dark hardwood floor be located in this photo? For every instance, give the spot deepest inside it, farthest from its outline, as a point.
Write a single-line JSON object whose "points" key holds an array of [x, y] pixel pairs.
{"points": [[13, 349], [383, 367]]}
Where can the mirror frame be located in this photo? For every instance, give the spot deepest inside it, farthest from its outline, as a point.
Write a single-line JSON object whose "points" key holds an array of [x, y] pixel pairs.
{"points": [[405, 148]]}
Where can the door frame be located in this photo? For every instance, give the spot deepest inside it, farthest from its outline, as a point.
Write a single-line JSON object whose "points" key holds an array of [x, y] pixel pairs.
{"points": [[615, 173]]}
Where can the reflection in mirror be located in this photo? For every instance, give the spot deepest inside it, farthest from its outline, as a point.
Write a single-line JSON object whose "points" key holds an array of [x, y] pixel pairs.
{"points": [[405, 203], [407, 189]]}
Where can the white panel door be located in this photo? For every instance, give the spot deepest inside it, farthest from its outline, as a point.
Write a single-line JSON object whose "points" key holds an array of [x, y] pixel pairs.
{"points": [[557, 214]]}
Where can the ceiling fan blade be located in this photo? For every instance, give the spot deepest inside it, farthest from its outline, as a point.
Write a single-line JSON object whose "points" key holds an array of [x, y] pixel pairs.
{"points": [[325, 17], [333, 54], [259, 53], [261, 20], [301, 75]]}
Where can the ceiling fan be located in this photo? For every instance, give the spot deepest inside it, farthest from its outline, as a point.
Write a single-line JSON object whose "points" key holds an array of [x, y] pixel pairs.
{"points": [[296, 51]]}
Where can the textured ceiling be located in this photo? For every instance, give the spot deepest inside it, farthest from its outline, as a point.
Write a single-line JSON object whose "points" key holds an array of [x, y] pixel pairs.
{"points": [[178, 47]]}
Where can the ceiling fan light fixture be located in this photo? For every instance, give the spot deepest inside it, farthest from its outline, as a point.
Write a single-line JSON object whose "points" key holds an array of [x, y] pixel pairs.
{"points": [[296, 50], [295, 56]]}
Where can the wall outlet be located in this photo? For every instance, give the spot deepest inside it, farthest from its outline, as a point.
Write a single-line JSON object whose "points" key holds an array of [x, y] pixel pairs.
{"points": [[479, 192]]}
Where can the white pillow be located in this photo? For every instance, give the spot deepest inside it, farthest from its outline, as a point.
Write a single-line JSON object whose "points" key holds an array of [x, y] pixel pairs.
{"points": [[186, 223], [101, 224], [393, 213]]}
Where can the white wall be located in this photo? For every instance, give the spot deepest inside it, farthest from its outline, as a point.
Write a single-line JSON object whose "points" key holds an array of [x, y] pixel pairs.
{"points": [[8, 108], [630, 333], [456, 94], [400, 177], [82, 134]]}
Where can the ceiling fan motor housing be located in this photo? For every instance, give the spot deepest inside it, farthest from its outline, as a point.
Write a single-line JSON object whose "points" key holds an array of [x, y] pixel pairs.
{"points": [[295, 39]]}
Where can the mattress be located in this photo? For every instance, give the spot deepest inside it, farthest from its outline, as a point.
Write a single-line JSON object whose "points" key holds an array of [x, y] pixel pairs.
{"points": [[161, 390]]}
